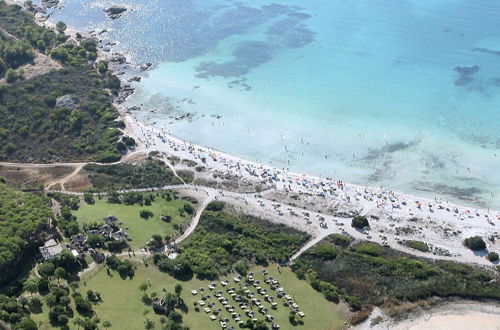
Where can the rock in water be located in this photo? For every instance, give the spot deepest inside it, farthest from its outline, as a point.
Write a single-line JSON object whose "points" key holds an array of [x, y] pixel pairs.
{"points": [[115, 12]]}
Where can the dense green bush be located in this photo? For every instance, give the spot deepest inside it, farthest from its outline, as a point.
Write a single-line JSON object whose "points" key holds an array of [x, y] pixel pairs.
{"points": [[324, 251], [215, 206], [492, 256], [340, 240], [372, 249], [33, 128], [223, 239], [375, 274], [475, 243], [146, 174], [417, 245], [360, 222]]}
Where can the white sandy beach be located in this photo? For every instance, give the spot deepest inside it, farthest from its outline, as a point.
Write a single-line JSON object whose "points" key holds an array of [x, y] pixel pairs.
{"points": [[439, 223], [461, 315]]}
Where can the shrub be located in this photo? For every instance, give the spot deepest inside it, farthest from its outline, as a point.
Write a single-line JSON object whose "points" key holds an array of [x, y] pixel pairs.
{"points": [[417, 245], [475, 243], [492, 256], [82, 305], [340, 240], [11, 75], [372, 249], [145, 214], [215, 206], [325, 252], [360, 222], [188, 208]]}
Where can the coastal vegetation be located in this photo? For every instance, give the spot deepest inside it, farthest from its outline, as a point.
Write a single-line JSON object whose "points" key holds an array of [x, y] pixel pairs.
{"points": [[475, 243], [359, 222], [492, 256], [145, 174], [375, 274], [417, 245], [62, 115], [23, 219], [224, 241]]}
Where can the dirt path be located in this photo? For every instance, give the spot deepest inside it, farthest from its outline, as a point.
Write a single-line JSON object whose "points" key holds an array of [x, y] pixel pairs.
{"points": [[63, 181], [196, 218]]}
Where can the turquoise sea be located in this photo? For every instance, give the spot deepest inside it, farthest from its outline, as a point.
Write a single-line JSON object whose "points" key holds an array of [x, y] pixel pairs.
{"points": [[403, 94]]}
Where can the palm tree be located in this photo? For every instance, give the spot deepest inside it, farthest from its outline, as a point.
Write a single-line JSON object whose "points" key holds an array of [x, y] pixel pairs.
{"points": [[148, 324]]}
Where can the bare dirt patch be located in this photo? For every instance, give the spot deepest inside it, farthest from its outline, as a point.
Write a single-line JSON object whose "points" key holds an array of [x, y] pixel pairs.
{"points": [[41, 64], [31, 178], [79, 182]]}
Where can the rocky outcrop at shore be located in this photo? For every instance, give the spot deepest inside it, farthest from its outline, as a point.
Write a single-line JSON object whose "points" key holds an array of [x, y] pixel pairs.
{"points": [[137, 79], [50, 3], [115, 12], [146, 66], [119, 58], [126, 91]]}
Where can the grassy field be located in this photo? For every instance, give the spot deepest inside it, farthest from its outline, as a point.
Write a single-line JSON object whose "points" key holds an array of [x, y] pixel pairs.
{"points": [[122, 303], [140, 230]]}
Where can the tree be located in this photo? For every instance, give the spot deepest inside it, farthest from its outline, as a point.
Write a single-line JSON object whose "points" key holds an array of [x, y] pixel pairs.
{"points": [[475, 243], [149, 324], [106, 324], [61, 27], [43, 284], [95, 241], [145, 214], [493, 256], [23, 301], [46, 269], [188, 208], [27, 324], [11, 75], [176, 317], [241, 267], [59, 273], [144, 287], [65, 301], [78, 321], [30, 286], [360, 222], [67, 260], [89, 198], [83, 305], [178, 289]]}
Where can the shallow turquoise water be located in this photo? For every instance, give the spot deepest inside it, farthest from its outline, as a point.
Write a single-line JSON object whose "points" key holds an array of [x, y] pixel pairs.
{"points": [[403, 94]]}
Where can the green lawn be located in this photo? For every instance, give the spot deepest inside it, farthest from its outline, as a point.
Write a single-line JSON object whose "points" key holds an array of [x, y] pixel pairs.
{"points": [[122, 303], [140, 230]]}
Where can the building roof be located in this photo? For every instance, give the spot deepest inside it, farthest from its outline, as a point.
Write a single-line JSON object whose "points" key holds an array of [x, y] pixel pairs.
{"points": [[51, 249], [110, 218]]}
